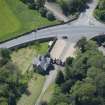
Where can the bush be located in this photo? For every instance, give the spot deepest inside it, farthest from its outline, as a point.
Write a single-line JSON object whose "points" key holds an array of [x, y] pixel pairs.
{"points": [[43, 11], [24, 1], [59, 78], [31, 6], [100, 14], [51, 0], [43, 103], [69, 61], [65, 87], [50, 15]]}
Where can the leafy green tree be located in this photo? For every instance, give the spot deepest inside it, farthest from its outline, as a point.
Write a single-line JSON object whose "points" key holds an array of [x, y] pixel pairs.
{"points": [[62, 103], [51, 0], [96, 60], [84, 93], [66, 86], [4, 90], [72, 6], [43, 11], [101, 4], [12, 99], [68, 72], [43, 103], [100, 11], [69, 61], [80, 68], [39, 3], [81, 44], [60, 78], [10, 79], [4, 56], [3, 101], [100, 84], [50, 15], [59, 98], [84, 78], [93, 72]]}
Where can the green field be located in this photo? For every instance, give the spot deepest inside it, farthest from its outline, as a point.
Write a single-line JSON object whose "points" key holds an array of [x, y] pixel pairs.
{"points": [[16, 18], [49, 93], [34, 87], [23, 59]]}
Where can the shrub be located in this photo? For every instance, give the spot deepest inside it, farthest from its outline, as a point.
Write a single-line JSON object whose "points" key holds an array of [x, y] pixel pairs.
{"points": [[50, 15], [43, 11]]}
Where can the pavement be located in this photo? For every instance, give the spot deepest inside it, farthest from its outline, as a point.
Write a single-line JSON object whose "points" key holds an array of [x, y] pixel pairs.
{"points": [[57, 11], [62, 49], [69, 51], [58, 48]]}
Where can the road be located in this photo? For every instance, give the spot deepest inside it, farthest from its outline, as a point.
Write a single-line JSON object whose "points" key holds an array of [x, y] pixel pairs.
{"points": [[86, 17], [74, 30]]}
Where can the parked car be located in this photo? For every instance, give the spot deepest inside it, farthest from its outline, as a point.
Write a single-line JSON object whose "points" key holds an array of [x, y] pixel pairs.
{"points": [[65, 37]]}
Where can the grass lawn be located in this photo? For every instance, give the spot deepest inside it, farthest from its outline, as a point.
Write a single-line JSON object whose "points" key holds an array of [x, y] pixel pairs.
{"points": [[34, 88], [23, 58], [16, 18], [48, 94]]}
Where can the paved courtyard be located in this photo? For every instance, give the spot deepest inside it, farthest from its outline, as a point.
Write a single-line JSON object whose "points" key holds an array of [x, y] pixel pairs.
{"points": [[62, 49]]}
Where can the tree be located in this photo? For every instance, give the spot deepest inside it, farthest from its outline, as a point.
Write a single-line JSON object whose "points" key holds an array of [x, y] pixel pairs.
{"points": [[81, 44], [4, 90], [80, 68], [101, 4], [93, 72], [59, 78], [84, 78], [12, 99], [66, 86], [100, 10], [43, 103], [59, 98], [4, 56], [62, 103], [50, 15], [72, 6], [51, 0], [68, 72], [39, 3], [69, 61], [84, 93], [100, 84], [31, 5], [43, 11], [3, 101]]}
